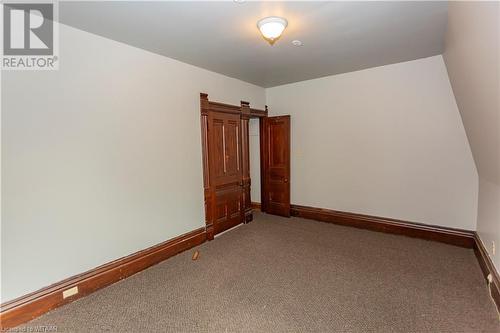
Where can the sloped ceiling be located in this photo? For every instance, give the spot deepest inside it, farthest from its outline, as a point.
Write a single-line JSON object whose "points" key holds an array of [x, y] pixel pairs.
{"points": [[473, 62], [338, 37]]}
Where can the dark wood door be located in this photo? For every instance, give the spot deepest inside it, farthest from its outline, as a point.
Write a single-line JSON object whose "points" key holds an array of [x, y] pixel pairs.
{"points": [[226, 163], [224, 139], [276, 165]]}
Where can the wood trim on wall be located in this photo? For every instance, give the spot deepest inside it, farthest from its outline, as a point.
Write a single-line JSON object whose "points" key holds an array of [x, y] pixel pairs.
{"points": [[488, 268], [463, 238], [256, 113], [256, 205], [245, 161], [28, 307]]}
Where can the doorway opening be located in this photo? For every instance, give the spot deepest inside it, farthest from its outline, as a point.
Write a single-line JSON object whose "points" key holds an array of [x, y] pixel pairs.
{"points": [[246, 154]]}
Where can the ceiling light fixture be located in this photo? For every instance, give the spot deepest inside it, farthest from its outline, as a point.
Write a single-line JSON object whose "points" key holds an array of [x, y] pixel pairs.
{"points": [[272, 27]]}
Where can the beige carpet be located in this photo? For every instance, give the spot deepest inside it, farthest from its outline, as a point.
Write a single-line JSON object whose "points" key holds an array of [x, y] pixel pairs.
{"points": [[294, 275]]}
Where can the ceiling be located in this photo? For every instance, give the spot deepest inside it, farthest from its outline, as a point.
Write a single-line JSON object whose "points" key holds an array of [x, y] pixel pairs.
{"points": [[222, 37]]}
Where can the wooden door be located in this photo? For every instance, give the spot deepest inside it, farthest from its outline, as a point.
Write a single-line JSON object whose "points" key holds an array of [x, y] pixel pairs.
{"points": [[276, 165], [224, 140], [226, 163]]}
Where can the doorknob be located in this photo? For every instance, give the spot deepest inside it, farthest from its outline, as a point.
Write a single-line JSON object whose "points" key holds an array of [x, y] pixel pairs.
{"points": [[286, 180]]}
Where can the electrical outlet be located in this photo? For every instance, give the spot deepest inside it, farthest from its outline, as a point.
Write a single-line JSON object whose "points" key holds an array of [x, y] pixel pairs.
{"points": [[493, 248], [70, 292]]}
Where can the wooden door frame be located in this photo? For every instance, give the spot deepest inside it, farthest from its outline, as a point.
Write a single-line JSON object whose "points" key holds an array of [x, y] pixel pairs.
{"points": [[245, 112]]}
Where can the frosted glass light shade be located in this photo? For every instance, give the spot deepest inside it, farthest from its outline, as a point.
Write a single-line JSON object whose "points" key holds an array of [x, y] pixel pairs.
{"points": [[272, 27]]}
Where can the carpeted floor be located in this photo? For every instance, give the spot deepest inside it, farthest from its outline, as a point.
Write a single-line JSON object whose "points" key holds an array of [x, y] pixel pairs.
{"points": [[294, 275]]}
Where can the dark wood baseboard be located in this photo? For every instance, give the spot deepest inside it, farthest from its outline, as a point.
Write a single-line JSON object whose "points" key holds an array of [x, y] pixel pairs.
{"points": [[255, 205], [464, 238], [488, 268], [28, 307]]}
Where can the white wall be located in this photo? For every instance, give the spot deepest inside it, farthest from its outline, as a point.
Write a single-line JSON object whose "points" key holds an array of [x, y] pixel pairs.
{"points": [[101, 158], [472, 57], [386, 141]]}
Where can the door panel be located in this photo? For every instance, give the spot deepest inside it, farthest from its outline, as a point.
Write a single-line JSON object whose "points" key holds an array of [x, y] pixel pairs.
{"points": [[232, 145], [276, 165], [228, 209], [224, 142], [225, 148], [277, 136], [217, 147]]}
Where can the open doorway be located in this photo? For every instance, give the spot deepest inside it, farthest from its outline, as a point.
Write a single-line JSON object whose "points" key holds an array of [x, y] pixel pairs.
{"points": [[269, 141], [246, 155], [255, 162]]}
